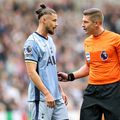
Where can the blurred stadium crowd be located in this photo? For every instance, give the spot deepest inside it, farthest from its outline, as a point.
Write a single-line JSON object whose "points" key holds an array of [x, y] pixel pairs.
{"points": [[17, 21]]}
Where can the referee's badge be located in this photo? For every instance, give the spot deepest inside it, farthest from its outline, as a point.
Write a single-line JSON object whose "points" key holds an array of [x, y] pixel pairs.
{"points": [[104, 55], [87, 56]]}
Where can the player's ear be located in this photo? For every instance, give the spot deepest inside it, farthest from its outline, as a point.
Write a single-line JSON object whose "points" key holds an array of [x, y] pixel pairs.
{"points": [[43, 19]]}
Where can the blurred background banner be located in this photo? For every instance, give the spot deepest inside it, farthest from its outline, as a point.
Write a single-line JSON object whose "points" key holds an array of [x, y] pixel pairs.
{"points": [[17, 21], [14, 115]]}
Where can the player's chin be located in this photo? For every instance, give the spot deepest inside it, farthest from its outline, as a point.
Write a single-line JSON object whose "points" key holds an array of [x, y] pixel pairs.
{"points": [[51, 32]]}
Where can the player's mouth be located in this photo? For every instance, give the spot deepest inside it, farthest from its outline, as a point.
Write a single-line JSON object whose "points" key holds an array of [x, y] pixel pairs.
{"points": [[54, 28]]}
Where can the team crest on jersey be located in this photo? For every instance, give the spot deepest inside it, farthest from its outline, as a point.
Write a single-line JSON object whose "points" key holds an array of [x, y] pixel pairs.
{"points": [[28, 50], [104, 55], [87, 56]]}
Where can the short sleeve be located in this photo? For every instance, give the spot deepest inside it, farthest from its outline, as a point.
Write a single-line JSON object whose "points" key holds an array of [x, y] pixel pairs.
{"points": [[31, 51]]}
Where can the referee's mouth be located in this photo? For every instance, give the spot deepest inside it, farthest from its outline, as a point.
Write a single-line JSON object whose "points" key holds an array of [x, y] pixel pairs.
{"points": [[85, 29]]}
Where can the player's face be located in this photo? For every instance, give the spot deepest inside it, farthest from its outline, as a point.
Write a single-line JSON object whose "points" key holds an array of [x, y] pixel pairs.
{"points": [[88, 25], [51, 23]]}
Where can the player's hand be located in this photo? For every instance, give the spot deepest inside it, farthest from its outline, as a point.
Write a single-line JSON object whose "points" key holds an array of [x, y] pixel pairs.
{"points": [[50, 100], [62, 76], [65, 98]]}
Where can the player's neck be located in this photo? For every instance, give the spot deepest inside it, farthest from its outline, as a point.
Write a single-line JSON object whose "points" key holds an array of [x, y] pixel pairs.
{"points": [[42, 32]]}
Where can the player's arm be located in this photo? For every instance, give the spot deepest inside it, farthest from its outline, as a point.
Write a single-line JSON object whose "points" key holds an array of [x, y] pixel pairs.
{"points": [[63, 95], [82, 72], [31, 70]]}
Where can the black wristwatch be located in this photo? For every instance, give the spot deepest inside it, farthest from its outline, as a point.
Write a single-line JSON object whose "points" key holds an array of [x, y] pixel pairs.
{"points": [[71, 77]]}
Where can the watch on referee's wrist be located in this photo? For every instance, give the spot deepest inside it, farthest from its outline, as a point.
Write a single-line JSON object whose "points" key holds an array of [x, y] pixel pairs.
{"points": [[71, 77]]}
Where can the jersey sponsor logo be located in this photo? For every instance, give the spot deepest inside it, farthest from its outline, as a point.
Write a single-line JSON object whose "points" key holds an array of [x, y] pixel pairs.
{"points": [[28, 50], [104, 55], [87, 56], [51, 60]]}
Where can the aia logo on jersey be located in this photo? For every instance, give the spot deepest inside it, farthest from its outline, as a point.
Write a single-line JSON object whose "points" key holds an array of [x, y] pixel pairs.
{"points": [[104, 55], [51, 60]]}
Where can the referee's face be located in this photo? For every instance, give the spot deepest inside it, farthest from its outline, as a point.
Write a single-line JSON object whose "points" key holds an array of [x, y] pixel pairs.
{"points": [[51, 23], [88, 25]]}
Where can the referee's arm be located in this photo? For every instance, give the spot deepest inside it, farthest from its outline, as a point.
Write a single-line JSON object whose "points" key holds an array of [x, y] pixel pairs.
{"points": [[82, 72]]}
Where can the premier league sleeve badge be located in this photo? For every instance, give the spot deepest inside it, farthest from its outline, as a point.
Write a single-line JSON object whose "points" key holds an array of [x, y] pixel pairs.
{"points": [[28, 50]]}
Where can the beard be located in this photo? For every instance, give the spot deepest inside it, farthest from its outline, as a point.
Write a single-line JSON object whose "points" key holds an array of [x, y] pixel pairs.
{"points": [[50, 31]]}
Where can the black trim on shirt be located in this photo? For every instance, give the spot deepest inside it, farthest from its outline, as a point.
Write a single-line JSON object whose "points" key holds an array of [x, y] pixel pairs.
{"points": [[37, 91], [41, 36], [30, 60]]}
